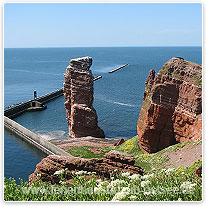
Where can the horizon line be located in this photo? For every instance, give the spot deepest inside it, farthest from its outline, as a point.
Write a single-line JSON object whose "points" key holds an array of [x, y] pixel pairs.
{"points": [[93, 46]]}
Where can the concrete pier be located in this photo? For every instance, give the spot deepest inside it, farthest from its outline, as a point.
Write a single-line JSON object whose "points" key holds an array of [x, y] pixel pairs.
{"points": [[30, 137], [18, 109], [114, 70], [97, 77], [21, 108], [34, 139]]}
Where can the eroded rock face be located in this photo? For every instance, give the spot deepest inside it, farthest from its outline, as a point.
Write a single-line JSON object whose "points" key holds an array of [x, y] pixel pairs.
{"points": [[121, 141], [78, 92], [172, 106], [117, 156], [112, 163]]}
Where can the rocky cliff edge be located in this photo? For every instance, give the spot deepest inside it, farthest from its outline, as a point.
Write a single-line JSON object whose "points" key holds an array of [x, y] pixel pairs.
{"points": [[172, 106]]}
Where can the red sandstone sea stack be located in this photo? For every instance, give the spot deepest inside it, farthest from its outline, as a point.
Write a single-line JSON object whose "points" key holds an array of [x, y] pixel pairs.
{"points": [[78, 92], [172, 106]]}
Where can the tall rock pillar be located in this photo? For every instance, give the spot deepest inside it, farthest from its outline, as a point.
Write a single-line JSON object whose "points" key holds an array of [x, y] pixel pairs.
{"points": [[78, 92]]}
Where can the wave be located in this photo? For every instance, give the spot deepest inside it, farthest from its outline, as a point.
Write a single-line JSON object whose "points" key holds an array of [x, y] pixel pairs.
{"points": [[115, 102], [42, 61], [27, 71], [47, 137], [119, 137], [124, 104], [57, 134]]}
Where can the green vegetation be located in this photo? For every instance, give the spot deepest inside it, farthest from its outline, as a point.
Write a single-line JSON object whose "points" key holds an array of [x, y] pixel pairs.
{"points": [[198, 81], [196, 77], [165, 68], [89, 151], [131, 147], [191, 62], [149, 161], [159, 185]]}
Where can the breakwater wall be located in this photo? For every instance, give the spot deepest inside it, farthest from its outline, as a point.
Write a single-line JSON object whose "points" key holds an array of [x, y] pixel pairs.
{"points": [[114, 70], [48, 97], [19, 109], [22, 107], [97, 77], [34, 139]]}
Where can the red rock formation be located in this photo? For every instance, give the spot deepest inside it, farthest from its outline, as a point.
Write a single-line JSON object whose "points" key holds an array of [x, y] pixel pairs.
{"points": [[121, 141], [113, 162], [198, 171], [172, 106], [117, 156], [78, 92]]}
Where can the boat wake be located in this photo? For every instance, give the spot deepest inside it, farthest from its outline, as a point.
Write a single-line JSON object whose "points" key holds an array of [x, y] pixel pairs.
{"points": [[106, 69], [115, 102], [124, 104]]}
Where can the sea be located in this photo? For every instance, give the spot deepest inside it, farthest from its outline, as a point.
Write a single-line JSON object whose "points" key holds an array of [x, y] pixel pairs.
{"points": [[117, 96]]}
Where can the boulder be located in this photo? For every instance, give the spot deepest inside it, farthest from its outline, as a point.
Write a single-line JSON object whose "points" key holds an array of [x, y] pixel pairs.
{"points": [[104, 167], [120, 157]]}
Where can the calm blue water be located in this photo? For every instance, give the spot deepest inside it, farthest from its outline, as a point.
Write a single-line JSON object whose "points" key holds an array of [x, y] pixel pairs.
{"points": [[118, 96]]}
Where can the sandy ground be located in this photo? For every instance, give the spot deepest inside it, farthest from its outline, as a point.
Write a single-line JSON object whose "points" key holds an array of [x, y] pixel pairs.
{"points": [[84, 141], [185, 156]]}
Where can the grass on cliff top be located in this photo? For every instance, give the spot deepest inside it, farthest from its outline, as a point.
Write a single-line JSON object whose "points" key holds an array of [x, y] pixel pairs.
{"points": [[88, 151], [196, 80], [131, 146], [159, 185], [149, 161]]}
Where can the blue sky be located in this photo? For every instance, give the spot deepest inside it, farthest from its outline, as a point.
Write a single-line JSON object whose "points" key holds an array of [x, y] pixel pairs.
{"points": [[71, 25]]}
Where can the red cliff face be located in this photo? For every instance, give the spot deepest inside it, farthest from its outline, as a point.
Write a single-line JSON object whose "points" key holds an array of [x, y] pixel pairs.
{"points": [[172, 106], [78, 92]]}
